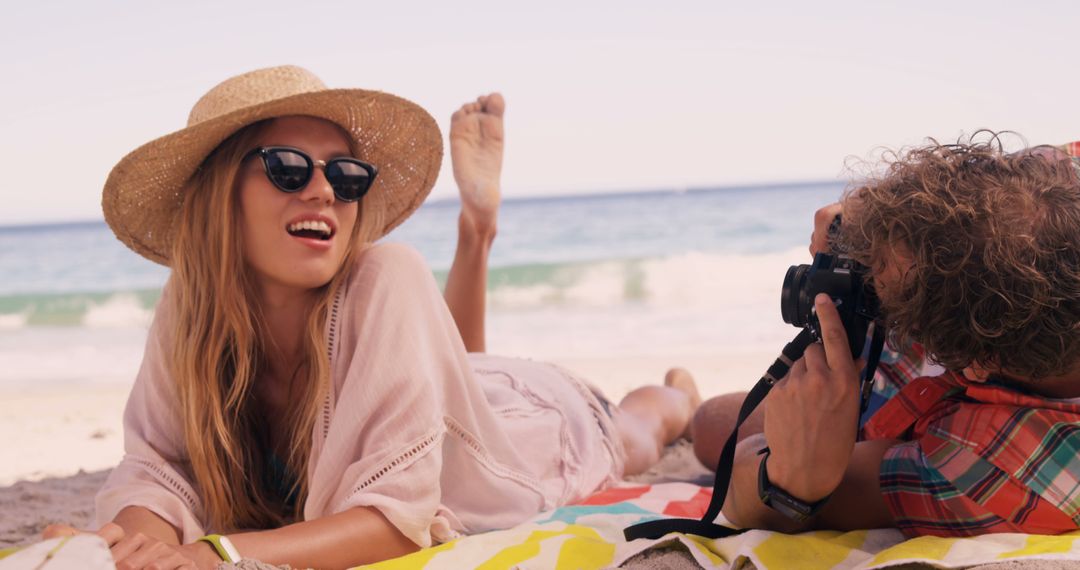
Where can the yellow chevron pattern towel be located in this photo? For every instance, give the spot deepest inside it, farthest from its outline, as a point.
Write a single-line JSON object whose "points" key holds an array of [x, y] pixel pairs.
{"points": [[589, 535]]}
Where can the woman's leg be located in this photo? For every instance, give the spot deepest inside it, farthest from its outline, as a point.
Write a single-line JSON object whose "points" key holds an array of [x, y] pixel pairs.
{"points": [[713, 422], [476, 149], [651, 417]]}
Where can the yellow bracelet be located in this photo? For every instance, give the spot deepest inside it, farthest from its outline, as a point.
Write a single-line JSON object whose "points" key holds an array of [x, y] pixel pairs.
{"points": [[224, 547]]}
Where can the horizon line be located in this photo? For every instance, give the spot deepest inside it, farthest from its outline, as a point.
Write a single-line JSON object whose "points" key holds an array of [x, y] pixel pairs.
{"points": [[6, 225]]}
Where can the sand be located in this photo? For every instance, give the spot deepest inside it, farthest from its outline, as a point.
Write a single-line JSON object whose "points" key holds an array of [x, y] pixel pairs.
{"points": [[58, 431], [29, 506]]}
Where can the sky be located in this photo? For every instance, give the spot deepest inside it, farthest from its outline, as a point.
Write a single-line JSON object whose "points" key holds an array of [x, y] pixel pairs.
{"points": [[601, 96]]}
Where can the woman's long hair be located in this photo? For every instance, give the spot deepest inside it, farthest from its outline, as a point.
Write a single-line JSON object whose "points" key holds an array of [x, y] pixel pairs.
{"points": [[220, 349]]}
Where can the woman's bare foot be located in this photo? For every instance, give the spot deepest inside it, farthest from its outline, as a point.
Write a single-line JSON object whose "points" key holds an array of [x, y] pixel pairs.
{"points": [[476, 151], [682, 380]]}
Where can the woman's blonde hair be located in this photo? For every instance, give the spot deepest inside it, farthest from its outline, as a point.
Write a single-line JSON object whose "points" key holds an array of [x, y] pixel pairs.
{"points": [[220, 346]]}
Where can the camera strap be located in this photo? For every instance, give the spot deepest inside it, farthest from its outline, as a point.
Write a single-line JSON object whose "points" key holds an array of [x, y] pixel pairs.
{"points": [[873, 358], [705, 527]]}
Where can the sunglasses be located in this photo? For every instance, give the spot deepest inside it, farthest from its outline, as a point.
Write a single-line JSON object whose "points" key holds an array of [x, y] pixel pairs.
{"points": [[290, 169]]}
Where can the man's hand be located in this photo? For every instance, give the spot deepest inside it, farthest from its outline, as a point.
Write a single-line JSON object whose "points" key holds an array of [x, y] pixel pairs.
{"points": [[819, 240], [811, 423]]}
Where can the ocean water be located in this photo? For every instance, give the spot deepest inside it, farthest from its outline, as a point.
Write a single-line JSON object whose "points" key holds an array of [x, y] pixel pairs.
{"points": [[604, 275]]}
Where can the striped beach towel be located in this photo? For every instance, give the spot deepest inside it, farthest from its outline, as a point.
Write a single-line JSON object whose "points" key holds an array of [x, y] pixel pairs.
{"points": [[589, 535]]}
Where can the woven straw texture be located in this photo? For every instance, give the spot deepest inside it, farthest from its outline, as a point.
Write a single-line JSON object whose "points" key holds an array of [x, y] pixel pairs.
{"points": [[143, 193]]}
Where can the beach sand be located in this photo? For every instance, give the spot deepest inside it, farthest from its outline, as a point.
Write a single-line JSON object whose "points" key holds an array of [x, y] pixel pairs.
{"points": [[55, 432]]}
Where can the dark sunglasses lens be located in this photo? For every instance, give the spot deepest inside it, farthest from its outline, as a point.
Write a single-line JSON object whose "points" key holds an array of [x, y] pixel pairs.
{"points": [[349, 179], [288, 170]]}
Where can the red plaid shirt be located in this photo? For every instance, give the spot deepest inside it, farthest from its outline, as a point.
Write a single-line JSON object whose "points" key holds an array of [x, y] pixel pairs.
{"points": [[978, 459]]}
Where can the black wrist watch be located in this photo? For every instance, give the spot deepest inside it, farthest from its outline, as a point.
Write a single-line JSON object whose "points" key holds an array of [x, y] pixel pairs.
{"points": [[780, 501]]}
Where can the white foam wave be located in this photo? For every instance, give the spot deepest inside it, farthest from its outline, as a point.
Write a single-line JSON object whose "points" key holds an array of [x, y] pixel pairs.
{"points": [[685, 281], [14, 321], [698, 280], [118, 311], [601, 286], [524, 297]]}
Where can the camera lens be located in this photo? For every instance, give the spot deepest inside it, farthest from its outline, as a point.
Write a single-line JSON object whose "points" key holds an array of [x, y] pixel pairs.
{"points": [[790, 295]]}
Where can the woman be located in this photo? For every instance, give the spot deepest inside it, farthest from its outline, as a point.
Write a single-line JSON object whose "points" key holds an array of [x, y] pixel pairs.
{"points": [[308, 395]]}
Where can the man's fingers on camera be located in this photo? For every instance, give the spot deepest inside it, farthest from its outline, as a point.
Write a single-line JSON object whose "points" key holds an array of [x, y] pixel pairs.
{"points": [[793, 378], [833, 336], [815, 358], [819, 239], [797, 370], [815, 244], [825, 214]]}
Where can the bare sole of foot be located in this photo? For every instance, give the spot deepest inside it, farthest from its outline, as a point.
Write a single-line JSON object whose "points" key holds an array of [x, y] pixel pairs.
{"points": [[476, 152], [683, 381]]}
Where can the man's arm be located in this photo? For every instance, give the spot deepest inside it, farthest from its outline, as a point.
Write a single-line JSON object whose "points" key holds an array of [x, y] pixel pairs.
{"points": [[857, 503], [810, 428]]}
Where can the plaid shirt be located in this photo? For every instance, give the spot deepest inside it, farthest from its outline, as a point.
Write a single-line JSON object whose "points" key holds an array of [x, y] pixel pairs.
{"points": [[978, 458]]}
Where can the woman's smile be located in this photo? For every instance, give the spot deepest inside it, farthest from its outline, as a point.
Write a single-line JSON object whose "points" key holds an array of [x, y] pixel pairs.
{"points": [[313, 230]]}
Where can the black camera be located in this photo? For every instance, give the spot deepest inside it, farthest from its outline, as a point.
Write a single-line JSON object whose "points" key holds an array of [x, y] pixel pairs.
{"points": [[849, 285], [843, 279]]}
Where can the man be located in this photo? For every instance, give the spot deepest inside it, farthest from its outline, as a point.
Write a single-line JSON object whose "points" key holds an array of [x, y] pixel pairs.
{"points": [[975, 255]]}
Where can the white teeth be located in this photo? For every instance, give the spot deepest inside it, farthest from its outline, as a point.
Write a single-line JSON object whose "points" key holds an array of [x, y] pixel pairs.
{"points": [[313, 225]]}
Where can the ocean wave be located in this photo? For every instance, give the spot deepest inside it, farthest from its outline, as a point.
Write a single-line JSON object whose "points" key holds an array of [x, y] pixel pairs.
{"points": [[122, 309], [686, 281], [689, 280], [14, 321], [119, 311]]}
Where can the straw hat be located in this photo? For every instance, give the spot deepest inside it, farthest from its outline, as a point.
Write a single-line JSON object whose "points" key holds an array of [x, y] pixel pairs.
{"points": [[144, 191]]}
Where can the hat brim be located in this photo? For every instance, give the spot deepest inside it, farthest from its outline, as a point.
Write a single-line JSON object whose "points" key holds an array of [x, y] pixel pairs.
{"points": [[144, 191]]}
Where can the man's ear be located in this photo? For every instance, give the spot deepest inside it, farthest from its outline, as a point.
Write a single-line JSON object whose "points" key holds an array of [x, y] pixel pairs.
{"points": [[977, 372]]}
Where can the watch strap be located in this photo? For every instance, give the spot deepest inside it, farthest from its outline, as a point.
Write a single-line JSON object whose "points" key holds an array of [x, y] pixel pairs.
{"points": [[224, 547], [780, 500]]}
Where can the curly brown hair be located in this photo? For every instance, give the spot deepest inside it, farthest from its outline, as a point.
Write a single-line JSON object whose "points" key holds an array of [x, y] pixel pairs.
{"points": [[988, 249]]}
